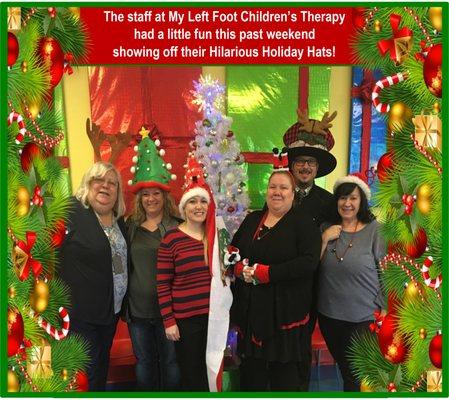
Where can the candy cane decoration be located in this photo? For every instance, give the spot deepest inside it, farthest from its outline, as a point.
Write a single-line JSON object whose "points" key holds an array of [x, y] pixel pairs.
{"points": [[16, 117], [432, 283], [384, 83], [53, 332]]}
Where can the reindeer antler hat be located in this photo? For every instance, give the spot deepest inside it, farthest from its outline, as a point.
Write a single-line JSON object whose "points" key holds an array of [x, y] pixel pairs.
{"points": [[310, 137]]}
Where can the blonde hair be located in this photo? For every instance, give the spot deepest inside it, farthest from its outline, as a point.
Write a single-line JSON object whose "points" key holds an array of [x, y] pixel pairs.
{"points": [[99, 170], [169, 209], [288, 174]]}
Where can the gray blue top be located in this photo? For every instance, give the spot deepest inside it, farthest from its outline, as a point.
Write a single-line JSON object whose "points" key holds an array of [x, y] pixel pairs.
{"points": [[349, 290]]}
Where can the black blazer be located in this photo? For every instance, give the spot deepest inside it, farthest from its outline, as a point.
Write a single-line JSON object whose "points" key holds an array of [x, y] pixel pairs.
{"points": [[292, 250], [318, 204], [86, 266]]}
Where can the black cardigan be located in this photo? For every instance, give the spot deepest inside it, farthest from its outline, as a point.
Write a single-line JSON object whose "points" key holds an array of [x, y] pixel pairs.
{"points": [[292, 250], [86, 266]]}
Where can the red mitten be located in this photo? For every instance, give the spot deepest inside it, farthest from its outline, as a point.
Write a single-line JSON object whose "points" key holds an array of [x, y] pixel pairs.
{"points": [[238, 268], [261, 273]]}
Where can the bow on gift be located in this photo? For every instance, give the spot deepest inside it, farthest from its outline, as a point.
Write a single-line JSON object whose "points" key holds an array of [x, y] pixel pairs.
{"points": [[68, 58], [377, 324], [399, 44], [22, 258]]}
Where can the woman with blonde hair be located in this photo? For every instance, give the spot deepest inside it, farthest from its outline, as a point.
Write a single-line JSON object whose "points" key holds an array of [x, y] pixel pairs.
{"points": [[93, 263]]}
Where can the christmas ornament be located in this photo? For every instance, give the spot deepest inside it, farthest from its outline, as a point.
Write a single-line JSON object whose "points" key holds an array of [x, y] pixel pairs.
{"points": [[408, 200], [433, 74], [230, 134], [75, 11], [358, 17], [27, 155], [214, 163], [384, 166], [436, 17], [428, 131], [436, 107], [15, 331], [34, 108], [12, 292], [15, 117], [52, 12], [39, 361], [13, 382], [13, 49], [391, 387], [411, 292], [434, 381], [52, 56], [398, 116], [39, 296], [59, 233], [23, 201], [400, 44], [81, 381], [377, 26], [37, 199], [423, 198], [24, 66], [365, 386], [436, 350], [422, 333], [22, 259], [14, 18], [231, 209], [433, 283], [418, 246], [385, 83], [392, 345], [57, 334], [229, 178], [207, 123], [64, 374]]}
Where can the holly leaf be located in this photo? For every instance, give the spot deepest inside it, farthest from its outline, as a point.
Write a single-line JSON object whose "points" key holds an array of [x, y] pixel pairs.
{"points": [[397, 379], [385, 378], [46, 24], [58, 23]]}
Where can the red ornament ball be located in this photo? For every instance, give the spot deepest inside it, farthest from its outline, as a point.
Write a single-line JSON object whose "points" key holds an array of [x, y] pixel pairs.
{"points": [[13, 49], [29, 152], [81, 381], [230, 134], [418, 246], [15, 331], [391, 387], [392, 345], [231, 209], [52, 56], [384, 165], [436, 350], [358, 17], [432, 70], [59, 233]]}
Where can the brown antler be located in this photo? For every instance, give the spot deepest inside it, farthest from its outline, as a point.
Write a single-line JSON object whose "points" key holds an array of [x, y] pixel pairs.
{"points": [[314, 126], [118, 142], [96, 137]]}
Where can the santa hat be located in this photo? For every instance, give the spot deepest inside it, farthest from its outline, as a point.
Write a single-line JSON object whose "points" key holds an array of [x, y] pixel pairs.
{"points": [[149, 169], [195, 183], [356, 178], [280, 160]]}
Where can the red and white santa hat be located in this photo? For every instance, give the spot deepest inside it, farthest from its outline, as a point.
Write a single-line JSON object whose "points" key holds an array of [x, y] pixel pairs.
{"points": [[358, 179], [195, 183]]}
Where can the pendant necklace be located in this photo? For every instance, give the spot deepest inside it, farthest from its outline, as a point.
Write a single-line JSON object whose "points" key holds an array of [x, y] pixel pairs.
{"points": [[340, 258]]}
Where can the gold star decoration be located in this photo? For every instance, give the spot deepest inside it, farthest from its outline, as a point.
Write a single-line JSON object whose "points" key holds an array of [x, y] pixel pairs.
{"points": [[144, 132]]}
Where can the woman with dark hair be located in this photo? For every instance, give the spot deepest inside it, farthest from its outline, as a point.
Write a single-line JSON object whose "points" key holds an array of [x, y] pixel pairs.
{"points": [[349, 290]]}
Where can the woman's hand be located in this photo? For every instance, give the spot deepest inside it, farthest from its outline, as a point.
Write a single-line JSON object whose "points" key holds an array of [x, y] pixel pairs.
{"points": [[172, 333], [248, 273], [331, 233]]}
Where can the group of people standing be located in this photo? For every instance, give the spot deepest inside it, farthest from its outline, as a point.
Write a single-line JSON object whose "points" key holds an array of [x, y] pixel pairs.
{"points": [[307, 255]]}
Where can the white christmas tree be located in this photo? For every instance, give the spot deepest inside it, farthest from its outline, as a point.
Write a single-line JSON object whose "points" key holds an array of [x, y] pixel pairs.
{"points": [[217, 148]]}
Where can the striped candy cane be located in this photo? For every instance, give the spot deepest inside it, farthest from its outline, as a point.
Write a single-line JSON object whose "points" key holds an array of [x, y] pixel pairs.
{"points": [[384, 83], [432, 283], [53, 332], [16, 117]]}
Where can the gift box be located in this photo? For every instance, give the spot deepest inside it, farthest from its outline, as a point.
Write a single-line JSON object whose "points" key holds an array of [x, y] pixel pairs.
{"points": [[39, 361], [14, 19], [428, 130], [435, 380]]}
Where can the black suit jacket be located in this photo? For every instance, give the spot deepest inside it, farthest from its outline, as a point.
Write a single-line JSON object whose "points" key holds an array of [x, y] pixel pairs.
{"points": [[86, 266], [318, 204]]}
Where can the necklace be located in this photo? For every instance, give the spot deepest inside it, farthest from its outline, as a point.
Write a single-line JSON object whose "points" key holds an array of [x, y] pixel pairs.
{"points": [[260, 232], [334, 250]]}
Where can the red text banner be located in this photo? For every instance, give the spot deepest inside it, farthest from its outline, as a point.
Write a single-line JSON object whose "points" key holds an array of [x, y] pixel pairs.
{"points": [[214, 35]]}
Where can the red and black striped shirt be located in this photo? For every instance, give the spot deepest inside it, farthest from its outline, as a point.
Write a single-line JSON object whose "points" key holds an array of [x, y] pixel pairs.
{"points": [[183, 278]]}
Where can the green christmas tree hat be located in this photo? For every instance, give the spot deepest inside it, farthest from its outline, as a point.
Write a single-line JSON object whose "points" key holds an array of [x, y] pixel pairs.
{"points": [[149, 168]]}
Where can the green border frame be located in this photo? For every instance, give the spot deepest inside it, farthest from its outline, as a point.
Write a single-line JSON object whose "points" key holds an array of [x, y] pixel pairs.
{"points": [[3, 203]]}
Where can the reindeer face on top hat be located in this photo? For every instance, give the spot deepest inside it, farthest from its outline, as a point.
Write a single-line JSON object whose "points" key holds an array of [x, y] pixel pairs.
{"points": [[149, 169], [310, 137]]}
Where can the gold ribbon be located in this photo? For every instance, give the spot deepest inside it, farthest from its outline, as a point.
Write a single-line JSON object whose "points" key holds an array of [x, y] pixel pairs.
{"points": [[428, 130], [14, 18]]}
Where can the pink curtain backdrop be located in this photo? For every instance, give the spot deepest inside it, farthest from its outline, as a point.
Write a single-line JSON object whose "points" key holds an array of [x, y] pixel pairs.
{"points": [[125, 98]]}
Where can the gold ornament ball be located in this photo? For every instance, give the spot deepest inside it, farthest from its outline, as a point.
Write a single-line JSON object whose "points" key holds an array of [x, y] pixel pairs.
{"points": [[436, 17], [365, 387], [34, 107], [22, 195], [23, 209], [24, 66], [411, 292], [423, 198], [75, 11], [422, 333], [64, 374], [398, 116], [437, 107], [377, 26], [39, 297], [12, 292], [13, 382]]}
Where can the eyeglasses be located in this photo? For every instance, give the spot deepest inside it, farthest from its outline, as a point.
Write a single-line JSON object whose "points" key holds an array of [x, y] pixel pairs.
{"points": [[304, 161], [102, 181]]}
